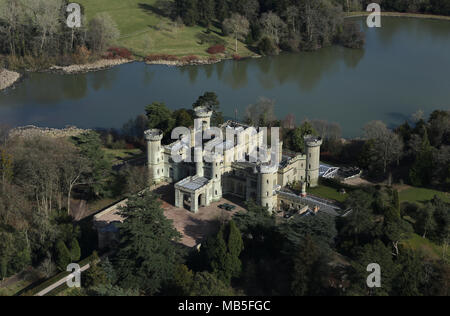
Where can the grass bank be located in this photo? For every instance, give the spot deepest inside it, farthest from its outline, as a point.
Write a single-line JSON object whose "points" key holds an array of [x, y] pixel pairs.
{"points": [[421, 195], [145, 31]]}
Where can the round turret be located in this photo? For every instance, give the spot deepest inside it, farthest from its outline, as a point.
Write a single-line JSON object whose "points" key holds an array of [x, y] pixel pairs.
{"points": [[155, 157], [313, 159]]}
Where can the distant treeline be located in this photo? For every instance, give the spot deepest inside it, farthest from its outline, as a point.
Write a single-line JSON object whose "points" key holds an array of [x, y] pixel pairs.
{"points": [[273, 25], [439, 7]]}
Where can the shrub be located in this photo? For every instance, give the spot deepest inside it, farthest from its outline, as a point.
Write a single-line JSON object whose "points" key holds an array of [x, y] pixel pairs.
{"points": [[267, 47], [63, 257], [237, 57], [75, 251], [117, 53], [216, 49], [351, 36]]}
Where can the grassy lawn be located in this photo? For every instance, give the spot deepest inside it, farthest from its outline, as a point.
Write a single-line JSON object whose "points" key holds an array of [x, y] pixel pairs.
{"points": [[118, 156], [327, 192], [145, 32], [412, 194], [427, 247]]}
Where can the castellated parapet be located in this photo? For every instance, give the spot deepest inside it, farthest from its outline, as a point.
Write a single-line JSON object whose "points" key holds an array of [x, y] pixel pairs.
{"points": [[154, 135]]}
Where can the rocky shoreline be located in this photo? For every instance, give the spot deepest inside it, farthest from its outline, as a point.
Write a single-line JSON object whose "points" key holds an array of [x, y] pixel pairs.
{"points": [[31, 131], [95, 66], [8, 78], [196, 62]]}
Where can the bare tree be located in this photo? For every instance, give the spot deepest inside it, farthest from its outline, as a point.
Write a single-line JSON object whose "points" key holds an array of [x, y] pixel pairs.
{"points": [[46, 16], [261, 113], [273, 26], [102, 31], [238, 26], [388, 146]]}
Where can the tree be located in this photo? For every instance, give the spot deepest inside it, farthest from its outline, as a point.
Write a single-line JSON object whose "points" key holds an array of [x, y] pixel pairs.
{"points": [[298, 136], [102, 31], [261, 113], [146, 256], [90, 146], [63, 257], [46, 17], [309, 269], [211, 101], [221, 253], [207, 284], [160, 117], [75, 251], [238, 26], [387, 146], [74, 171], [420, 173], [273, 26], [375, 252]]}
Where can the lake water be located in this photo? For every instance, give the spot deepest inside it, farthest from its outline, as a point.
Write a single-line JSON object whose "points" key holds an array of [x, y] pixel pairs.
{"points": [[404, 67]]}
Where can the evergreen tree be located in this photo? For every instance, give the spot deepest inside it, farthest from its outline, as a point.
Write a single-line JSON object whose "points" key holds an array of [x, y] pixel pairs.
{"points": [[63, 258], [75, 251], [146, 255]]}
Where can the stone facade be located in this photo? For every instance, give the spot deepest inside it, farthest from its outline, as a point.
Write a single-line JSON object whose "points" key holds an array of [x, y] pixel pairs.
{"points": [[200, 183]]}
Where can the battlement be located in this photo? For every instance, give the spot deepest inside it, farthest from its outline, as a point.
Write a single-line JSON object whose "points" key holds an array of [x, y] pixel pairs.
{"points": [[203, 112], [313, 141], [153, 135]]}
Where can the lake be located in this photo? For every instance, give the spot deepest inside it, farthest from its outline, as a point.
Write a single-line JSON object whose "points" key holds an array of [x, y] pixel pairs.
{"points": [[404, 67]]}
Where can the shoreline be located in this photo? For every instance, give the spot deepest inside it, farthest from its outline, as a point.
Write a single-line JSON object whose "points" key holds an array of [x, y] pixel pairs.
{"points": [[399, 15], [8, 79], [98, 65]]}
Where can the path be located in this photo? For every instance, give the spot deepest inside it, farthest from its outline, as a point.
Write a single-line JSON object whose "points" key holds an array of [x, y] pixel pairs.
{"points": [[60, 282]]}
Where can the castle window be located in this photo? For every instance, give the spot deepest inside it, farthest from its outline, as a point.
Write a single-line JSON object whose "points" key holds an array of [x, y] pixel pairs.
{"points": [[267, 193], [267, 181], [216, 192]]}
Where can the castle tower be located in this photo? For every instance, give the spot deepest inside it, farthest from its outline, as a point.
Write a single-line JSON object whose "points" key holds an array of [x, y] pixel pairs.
{"points": [[202, 123], [217, 178], [155, 158], [267, 182], [312, 159]]}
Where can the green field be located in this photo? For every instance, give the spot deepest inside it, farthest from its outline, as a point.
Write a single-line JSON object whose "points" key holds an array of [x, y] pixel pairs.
{"points": [[118, 156], [327, 192], [427, 247], [421, 195], [146, 32]]}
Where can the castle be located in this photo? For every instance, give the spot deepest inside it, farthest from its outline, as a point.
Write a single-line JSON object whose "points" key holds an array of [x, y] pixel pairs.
{"points": [[211, 176]]}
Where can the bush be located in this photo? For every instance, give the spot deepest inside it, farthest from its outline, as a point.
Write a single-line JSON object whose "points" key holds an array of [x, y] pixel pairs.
{"points": [[237, 57], [216, 49], [118, 53], [267, 47], [351, 36], [63, 256], [75, 251]]}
